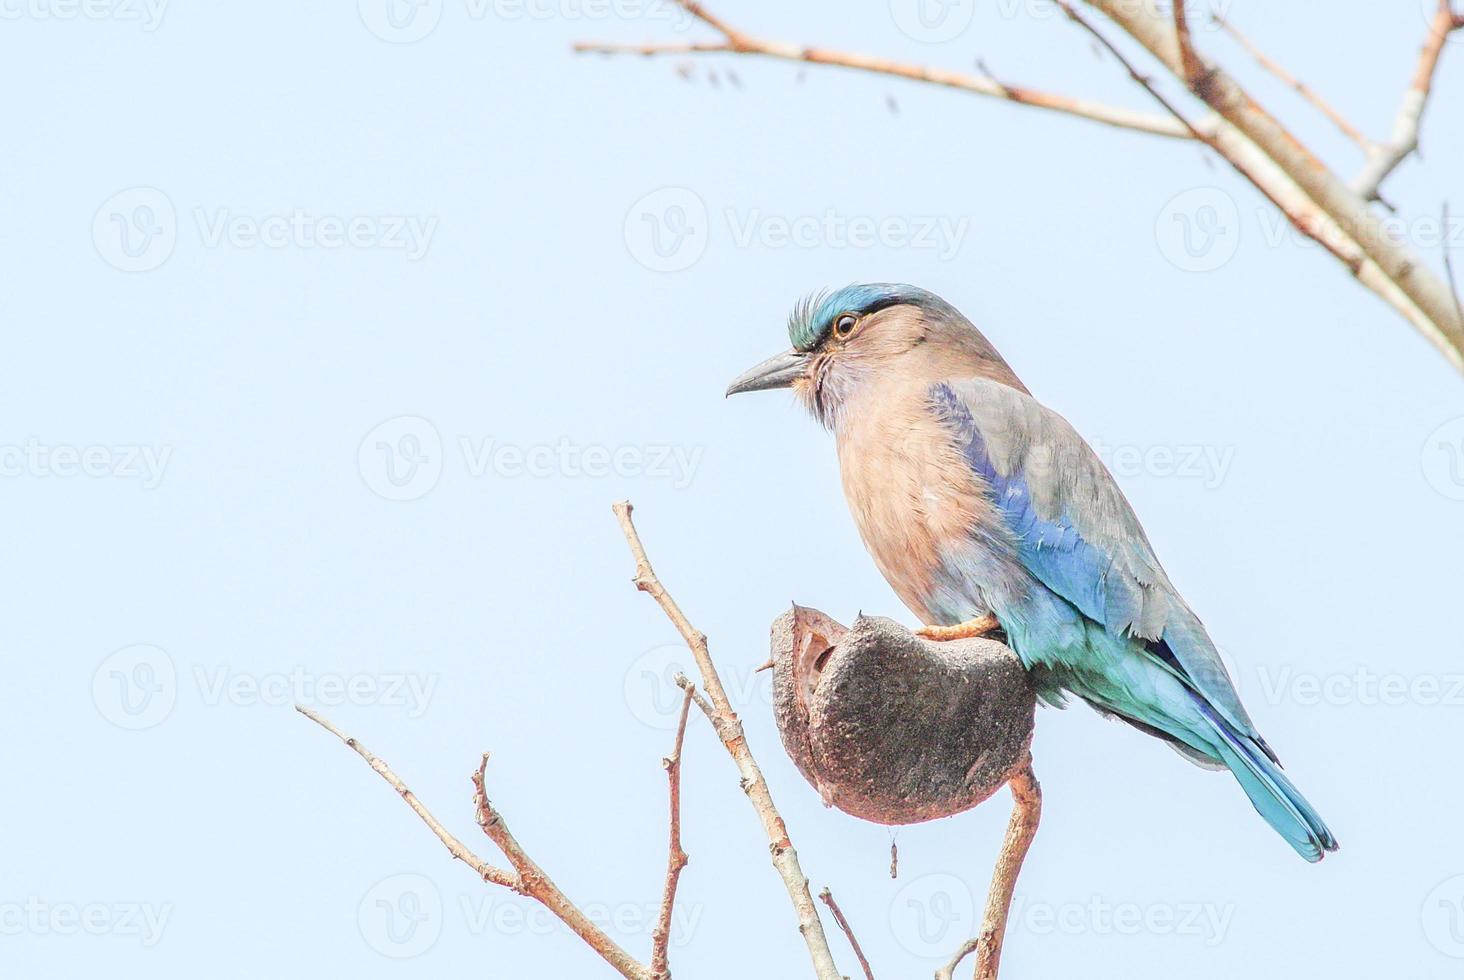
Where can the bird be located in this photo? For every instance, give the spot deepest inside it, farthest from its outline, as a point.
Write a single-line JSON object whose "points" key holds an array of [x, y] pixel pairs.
{"points": [[988, 514]]}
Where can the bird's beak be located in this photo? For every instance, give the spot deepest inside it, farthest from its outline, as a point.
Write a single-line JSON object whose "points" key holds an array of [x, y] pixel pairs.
{"points": [[778, 371]]}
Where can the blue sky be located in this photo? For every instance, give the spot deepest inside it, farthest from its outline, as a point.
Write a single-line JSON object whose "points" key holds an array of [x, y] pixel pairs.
{"points": [[327, 353]]}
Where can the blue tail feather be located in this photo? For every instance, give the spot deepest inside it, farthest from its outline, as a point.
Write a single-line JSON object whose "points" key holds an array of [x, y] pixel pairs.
{"points": [[1272, 794]]}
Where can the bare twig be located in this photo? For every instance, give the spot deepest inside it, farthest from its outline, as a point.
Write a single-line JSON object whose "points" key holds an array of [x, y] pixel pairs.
{"points": [[1310, 195], [455, 847], [1144, 81], [1449, 264], [1290, 80], [828, 899], [1384, 158], [729, 730], [538, 886], [1302, 214], [675, 857], [527, 878], [966, 948], [738, 42], [1192, 71], [1021, 829], [1281, 166]]}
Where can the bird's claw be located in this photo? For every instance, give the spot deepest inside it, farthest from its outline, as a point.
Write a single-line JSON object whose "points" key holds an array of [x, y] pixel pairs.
{"points": [[971, 628]]}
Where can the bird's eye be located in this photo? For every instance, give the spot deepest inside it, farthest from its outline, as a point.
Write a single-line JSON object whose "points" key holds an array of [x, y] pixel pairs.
{"points": [[844, 325]]}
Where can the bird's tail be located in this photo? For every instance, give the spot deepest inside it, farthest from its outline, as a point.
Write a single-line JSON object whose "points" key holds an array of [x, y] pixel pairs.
{"points": [[1270, 792]]}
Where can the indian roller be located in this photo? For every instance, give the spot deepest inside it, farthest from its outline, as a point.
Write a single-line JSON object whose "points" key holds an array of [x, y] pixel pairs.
{"points": [[986, 511]]}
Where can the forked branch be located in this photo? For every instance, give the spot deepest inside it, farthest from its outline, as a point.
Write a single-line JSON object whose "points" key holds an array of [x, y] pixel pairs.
{"points": [[525, 878], [729, 730], [737, 42], [1320, 204]]}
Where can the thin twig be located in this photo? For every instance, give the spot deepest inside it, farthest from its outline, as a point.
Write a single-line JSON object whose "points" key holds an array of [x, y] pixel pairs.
{"points": [[729, 730], [1449, 265], [1385, 158], [1290, 80], [538, 885], [1193, 70], [1304, 219], [489, 873], [966, 948], [526, 879], [1021, 829], [1307, 192], [1316, 200], [675, 857], [739, 42], [828, 899], [1143, 80]]}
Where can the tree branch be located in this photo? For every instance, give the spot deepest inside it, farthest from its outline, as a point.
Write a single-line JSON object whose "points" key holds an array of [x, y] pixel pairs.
{"points": [[675, 857], [1449, 264], [1318, 203], [1300, 87], [1244, 131], [827, 897], [1021, 829], [1384, 158], [459, 851], [527, 878], [737, 42], [729, 730]]}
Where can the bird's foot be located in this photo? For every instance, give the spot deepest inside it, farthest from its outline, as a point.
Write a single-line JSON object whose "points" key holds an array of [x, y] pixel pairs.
{"points": [[980, 626]]}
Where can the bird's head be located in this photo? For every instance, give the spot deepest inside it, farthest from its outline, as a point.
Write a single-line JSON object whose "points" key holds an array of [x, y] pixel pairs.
{"points": [[843, 340]]}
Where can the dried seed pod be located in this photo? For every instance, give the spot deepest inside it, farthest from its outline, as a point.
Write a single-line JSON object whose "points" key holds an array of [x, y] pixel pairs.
{"points": [[894, 728]]}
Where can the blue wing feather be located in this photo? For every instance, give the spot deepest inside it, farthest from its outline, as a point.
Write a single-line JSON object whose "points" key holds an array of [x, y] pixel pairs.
{"points": [[1074, 531]]}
